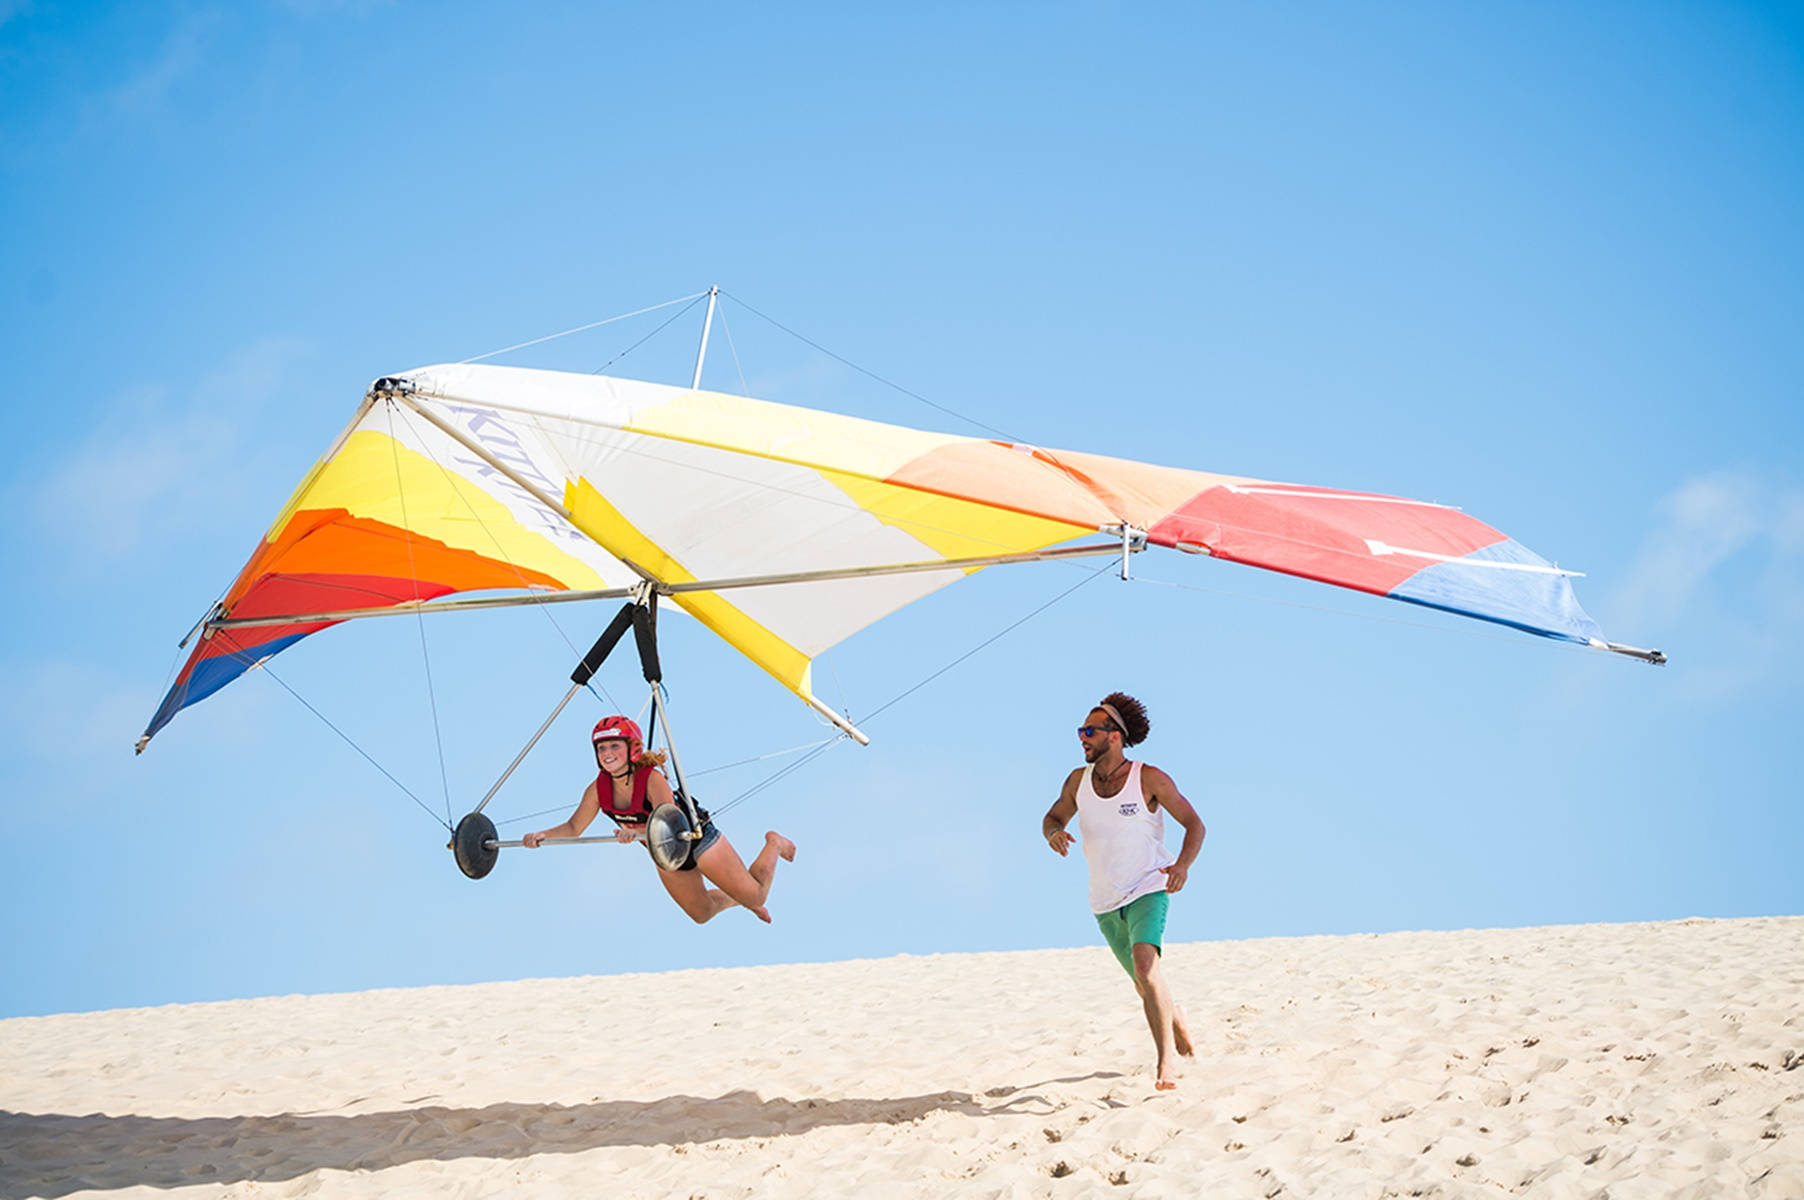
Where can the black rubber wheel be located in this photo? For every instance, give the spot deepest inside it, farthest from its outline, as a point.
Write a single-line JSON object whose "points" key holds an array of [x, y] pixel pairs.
{"points": [[664, 837], [475, 857]]}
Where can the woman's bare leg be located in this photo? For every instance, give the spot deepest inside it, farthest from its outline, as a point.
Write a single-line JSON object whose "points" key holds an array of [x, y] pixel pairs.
{"points": [[764, 867], [748, 886], [694, 897]]}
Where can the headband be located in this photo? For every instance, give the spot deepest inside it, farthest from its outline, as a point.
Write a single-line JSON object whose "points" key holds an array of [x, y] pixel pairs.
{"points": [[1115, 717]]}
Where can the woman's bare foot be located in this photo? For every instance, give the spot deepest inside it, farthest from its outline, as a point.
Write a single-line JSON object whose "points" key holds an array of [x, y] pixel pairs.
{"points": [[786, 849]]}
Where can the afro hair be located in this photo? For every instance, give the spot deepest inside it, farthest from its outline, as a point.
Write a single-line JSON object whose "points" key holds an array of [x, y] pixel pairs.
{"points": [[1133, 717]]}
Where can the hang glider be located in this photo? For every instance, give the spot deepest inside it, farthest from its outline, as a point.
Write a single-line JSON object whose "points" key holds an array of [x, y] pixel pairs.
{"points": [[783, 530]]}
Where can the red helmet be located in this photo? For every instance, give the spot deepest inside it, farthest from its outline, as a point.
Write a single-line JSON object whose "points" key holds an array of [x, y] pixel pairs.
{"points": [[619, 728]]}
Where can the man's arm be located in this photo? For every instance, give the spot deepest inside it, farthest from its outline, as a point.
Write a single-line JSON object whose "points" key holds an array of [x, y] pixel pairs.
{"points": [[1052, 825], [1162, 792]]}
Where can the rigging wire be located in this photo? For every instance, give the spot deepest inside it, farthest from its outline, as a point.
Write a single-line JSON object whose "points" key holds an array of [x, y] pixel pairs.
{"points": [[872, 374], [580, 329], [413, 575], [1098, 573], [543, 812], [744, 388], [839, 688], [252, 663], [175, 661], [1068, 475], [500, 549], [757, 758], [648, 337], [181, 649], [901, 696], [793, 767]]}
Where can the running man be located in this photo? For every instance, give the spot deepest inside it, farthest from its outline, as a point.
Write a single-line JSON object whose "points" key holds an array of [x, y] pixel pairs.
{"points": [[1120, 807]]}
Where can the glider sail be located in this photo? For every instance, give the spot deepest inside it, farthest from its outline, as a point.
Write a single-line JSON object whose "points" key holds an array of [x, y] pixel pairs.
{"points": [[472, 478]]}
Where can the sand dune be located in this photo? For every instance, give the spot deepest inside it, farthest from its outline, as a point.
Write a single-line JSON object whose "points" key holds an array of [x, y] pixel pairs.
{"points": [[1619, 1060]]}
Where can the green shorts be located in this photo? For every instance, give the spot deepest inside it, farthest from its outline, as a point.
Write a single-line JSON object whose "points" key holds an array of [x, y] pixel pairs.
{"points": [[1141, 920]]}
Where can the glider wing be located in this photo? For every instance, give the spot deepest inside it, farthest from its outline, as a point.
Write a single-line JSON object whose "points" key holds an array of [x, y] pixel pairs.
{"points": [[470, 477]]}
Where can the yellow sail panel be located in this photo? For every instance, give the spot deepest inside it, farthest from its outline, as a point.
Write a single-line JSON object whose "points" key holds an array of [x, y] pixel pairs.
{"points": [[951, 526], [786, 433], [592, 513]]}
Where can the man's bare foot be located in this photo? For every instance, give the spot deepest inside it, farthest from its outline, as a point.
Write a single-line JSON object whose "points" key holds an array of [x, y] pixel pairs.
{"points": [[1180, 1032], [1166, 1079], [786, 849]]}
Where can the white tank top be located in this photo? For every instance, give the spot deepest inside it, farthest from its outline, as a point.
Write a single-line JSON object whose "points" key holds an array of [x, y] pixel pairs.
{"points": [[1123, 840]]}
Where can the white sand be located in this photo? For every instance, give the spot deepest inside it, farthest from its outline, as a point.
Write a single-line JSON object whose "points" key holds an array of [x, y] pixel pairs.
{"points": [[1621, 1060]]}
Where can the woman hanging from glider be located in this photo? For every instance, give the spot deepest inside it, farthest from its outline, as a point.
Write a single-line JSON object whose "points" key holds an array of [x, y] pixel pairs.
{"points": [[629, 789]]}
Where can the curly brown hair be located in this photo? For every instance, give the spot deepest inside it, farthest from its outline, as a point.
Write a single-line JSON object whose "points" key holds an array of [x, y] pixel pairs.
{"points": [[1134, 721]]}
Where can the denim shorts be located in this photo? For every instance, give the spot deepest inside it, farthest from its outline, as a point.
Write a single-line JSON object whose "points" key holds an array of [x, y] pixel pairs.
{"points": [[710, 835]]}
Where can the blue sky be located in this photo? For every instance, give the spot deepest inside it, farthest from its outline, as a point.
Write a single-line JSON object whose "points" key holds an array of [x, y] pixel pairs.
{"points": [[1542, 262]]}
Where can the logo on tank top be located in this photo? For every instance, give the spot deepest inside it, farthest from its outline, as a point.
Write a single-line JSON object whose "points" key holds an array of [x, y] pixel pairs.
{"points": [[1130, 807]]}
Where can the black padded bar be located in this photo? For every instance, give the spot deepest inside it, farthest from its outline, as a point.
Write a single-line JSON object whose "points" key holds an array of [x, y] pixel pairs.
{"points": [[604, 645], [645, 632]]}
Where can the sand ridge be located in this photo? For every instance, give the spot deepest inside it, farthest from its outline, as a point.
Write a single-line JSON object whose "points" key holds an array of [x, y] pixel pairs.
{"points": [[1581, 1061]]}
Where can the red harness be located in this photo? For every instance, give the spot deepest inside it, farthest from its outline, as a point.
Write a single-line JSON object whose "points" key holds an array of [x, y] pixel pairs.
{"points": [[638, 809]]}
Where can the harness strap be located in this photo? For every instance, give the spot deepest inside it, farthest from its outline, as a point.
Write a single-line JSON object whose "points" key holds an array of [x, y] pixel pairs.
{"points": [[638, 810]]}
